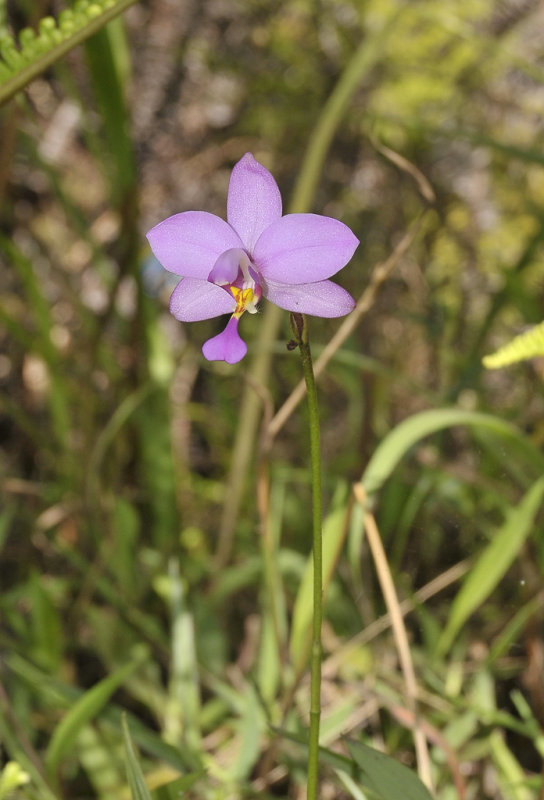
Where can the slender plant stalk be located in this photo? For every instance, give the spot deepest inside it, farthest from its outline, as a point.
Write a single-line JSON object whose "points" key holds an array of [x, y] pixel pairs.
{"points": [[299, 325]]}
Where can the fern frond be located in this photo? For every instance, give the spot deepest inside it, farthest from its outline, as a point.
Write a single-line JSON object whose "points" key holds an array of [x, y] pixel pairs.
{"points": [[527, 345], [22, 61]]}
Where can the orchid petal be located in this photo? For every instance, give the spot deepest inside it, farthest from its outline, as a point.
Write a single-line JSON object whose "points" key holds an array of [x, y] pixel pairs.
{"points": [[190, 243], [254, 200], [226, 346], [225, 269], [303, 248], [193, 300], [321, 299]]}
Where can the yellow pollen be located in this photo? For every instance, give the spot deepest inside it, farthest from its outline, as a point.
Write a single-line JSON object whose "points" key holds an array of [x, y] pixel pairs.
{"points": [[242, 297]]}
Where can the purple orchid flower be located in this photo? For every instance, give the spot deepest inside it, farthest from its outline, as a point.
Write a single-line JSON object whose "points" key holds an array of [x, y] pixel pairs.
{"points": [[228, 266]]}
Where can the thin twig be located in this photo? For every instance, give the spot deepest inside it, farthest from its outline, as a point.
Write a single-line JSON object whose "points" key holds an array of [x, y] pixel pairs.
{"points": [[399, 631], [406, 166], [411, 720], [438, 584]]}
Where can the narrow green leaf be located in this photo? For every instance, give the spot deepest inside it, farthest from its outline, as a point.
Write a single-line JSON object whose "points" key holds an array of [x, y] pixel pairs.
{"points": [[397, 443], [136, 780], [386, 776], [493, 563], [84, 710]]}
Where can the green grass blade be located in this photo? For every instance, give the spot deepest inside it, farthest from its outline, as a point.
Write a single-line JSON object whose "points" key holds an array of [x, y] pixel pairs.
{"points": [[105, 438], [511, 777], [136, 780], [493, 563], [99, 756], [181, 717], [355, 791], [513, 630], [58, 396], [84, 710]]}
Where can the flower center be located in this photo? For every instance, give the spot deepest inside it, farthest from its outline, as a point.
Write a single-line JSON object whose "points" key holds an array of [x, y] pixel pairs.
{"points": [[234, 272], [246, 300]]}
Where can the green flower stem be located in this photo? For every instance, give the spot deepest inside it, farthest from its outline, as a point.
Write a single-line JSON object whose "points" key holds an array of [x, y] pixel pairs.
{"points": [[300, 328]]}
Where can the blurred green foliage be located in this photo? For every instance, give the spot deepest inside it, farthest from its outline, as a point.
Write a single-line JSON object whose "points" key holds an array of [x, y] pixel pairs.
{"points": [[116, 436]]}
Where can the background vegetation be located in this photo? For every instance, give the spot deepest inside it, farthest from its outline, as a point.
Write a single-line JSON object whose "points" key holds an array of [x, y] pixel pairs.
{"points": [[153, 546]]}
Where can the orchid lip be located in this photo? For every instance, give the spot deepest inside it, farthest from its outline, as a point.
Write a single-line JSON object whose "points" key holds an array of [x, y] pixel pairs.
{"points": [[227, 345]]}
